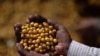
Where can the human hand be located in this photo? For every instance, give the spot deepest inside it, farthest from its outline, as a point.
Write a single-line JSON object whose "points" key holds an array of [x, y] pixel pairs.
{"points": [[62, 34], [89, 27], [17, 29]]}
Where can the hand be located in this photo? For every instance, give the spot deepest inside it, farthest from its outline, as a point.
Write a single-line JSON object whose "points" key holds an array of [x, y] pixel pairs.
{"points": [[89, 30], [17, 29], [62, 34], [89, 27]]}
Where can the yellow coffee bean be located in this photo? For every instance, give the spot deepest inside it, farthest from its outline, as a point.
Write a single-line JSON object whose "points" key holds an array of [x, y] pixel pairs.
{"points": [[32, 46], [55, 40], [61, 55], [32, 24], [36, 49], [25, 47], [36, 24], [27, 29], [51, 38], [26, 26], [40, 26], [46, 29], [22, 35], [51, 43], [42, 39], [52, 48], [50, 27], [46, 34], [45, 24], [40, 31], [30, 32], [33, 41], [55, 53], [30, 28], [40, 47], [37, 29], [47, 39], [24, 44], [24, 30], [27, 35], [41, 51], [44, 50], [50, 32], [34, 31], [47, 47], [37, 40], [21, 42], [54, 30], [29, 41], [29, 48], [35, 36], [31, 36], [42, 34], [44, 45], [36, 45], [24, 40], [23, 27], [47, 43], [39, 37]]}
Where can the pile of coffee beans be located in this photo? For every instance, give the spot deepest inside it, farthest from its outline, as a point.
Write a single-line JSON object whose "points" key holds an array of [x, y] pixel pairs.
{"points": [[39, 37]]}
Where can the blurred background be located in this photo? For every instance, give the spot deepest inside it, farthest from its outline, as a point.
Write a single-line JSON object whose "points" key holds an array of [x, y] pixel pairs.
{"points": [[66, 12]]}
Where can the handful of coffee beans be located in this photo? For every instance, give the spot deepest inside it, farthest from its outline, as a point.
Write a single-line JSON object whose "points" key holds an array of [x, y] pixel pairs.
{"points": [[39, 37]]}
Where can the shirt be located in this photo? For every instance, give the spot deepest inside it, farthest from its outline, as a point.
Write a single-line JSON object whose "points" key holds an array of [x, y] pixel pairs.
{"points": [[79, 49]]}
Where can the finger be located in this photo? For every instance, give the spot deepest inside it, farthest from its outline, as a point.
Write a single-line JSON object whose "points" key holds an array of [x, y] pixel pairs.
{"points": [[17, 25], [63, 36], [36, 18], [63, 41], [46, 54], [34, 53], [21, 50], [53, 23], [59, 48], [51, 53], [17, 29]]}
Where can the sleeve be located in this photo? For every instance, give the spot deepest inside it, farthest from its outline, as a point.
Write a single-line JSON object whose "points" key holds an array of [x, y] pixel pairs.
{"points": [[78, 49]]}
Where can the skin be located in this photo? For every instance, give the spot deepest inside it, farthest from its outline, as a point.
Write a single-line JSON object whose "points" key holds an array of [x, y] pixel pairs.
{"points": [[62, 34], [89, 30]]}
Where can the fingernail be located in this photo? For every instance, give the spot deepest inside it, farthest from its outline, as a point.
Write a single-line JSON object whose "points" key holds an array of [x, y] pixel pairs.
{"points": [[59, 48]]}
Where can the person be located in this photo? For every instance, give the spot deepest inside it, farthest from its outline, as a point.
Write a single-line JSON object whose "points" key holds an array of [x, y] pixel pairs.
{"points": [[65, 46]]}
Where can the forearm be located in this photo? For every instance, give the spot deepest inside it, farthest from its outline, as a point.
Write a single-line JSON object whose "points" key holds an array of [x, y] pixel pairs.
{"points": [[78, 49]]}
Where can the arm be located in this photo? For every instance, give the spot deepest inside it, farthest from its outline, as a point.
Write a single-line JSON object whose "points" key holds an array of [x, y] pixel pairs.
{"points": [[78, 49]]}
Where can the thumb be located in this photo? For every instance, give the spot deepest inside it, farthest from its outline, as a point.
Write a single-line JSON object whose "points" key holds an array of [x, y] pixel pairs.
{"points": [[17, 30], [21, 50], [59, 48]]}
